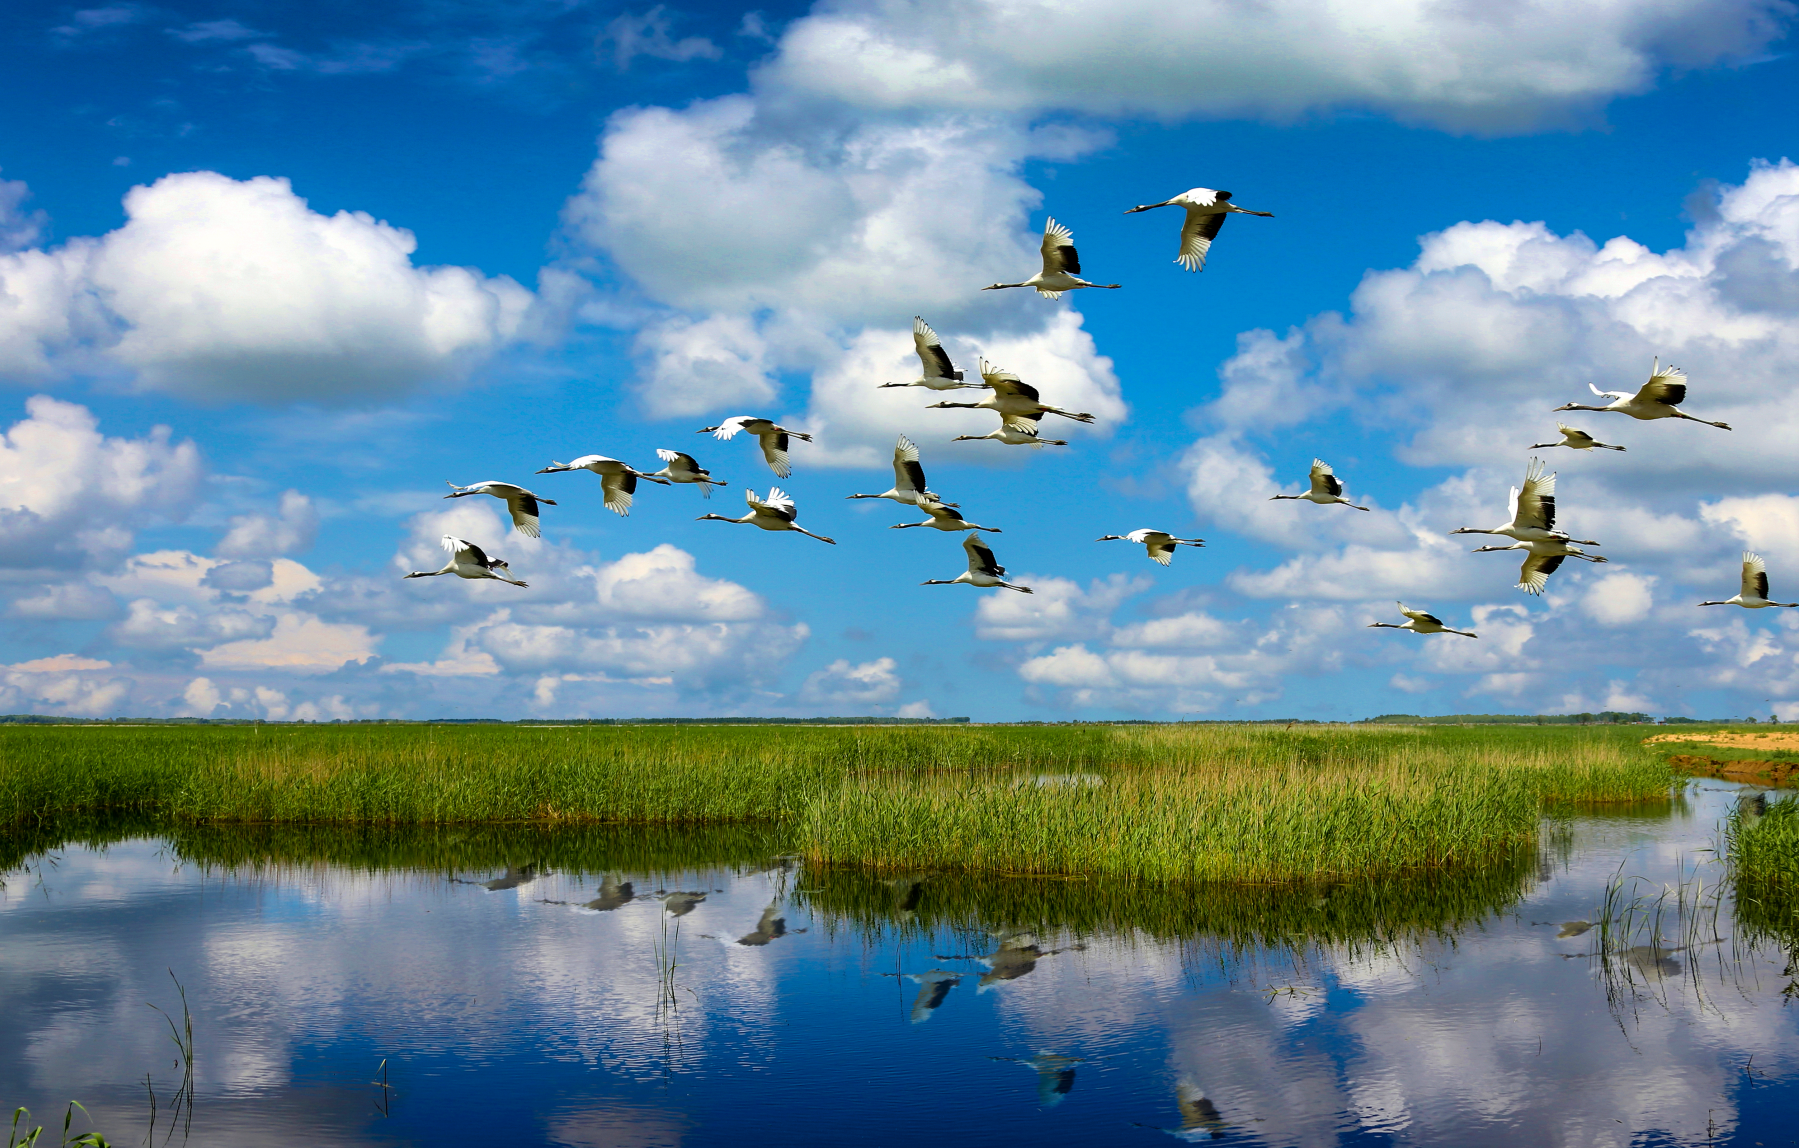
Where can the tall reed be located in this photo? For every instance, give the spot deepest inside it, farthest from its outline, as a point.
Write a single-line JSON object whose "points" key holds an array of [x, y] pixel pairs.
{"points": [[1175, 802]]}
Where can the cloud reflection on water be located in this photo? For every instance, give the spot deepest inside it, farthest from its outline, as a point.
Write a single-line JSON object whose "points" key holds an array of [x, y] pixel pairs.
{"points": [[300, 974]]}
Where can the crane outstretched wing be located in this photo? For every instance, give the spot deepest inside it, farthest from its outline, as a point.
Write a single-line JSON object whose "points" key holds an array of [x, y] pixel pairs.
{"points": [[524, 508], [1058, 250], [1324, 479], [980, 557], [1534, 504], [908, 474], [1755, 576], [465, 551], [618, 488], [1609, 394], [931, 353], [1196, 237], [774, 450], [1533, 576]]}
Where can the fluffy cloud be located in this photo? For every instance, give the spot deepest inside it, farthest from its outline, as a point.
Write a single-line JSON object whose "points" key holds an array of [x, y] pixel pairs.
{"points": [[177, 604], [69, 496], [840, 684], [1490, 67], [649, 619], [67, 685], [777, 245], [1057, 609], [693, 367], [225, 290], [1185, 668], [290, 530]]}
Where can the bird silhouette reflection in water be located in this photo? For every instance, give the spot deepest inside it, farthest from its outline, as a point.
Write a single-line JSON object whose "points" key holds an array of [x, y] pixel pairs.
{"points": [[907, 893], [1016, 956], [769, 926], [1200, 1118], [613, 894], [1055, 1075], [936, 985], [513, 878], [681, 904], [1653, 961]]}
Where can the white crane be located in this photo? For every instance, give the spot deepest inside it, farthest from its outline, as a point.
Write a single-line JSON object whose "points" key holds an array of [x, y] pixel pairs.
{"points": [[1658, 398], [943, 518], [1206, 210], [1160, 543], [468, 561], [1754, 595], [1533, 512], [520, 503], [1326, 488], [1578, 439], [1016, 401], [772, 437], [1061, 266], [683, 468], [908, 478], [1419, 622], [1544, 558], [939, 373], [983, 570], [1016, 430], [618, 480], [776, 512]]}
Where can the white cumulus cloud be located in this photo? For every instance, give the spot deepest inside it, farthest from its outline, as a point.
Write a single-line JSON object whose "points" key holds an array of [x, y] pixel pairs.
{"points": [[236, 291], [70, 496], [1498, 66]]}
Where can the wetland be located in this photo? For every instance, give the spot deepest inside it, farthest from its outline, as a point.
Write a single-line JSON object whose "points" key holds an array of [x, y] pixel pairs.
{"points": [[453, 936]]}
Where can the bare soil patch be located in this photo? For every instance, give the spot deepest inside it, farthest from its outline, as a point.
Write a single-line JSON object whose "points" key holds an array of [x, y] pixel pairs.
{"points": [[1775, 741]]}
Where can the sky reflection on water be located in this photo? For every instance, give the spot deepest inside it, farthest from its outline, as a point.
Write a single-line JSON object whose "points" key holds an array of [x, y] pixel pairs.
{"points": [[521, 1005]]}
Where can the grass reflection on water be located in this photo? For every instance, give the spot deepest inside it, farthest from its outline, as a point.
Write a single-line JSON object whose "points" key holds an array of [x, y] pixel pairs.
{"points": [[874, 904]]}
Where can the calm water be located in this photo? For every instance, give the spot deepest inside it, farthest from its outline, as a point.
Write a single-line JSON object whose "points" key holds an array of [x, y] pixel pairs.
{"points": [[515, 1005]]}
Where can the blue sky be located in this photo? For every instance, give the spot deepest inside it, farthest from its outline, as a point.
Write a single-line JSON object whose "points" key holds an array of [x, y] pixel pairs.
{"points": [[270, 274]]}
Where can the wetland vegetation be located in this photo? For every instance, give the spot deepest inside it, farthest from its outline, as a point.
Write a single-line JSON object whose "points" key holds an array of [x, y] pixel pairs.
{"points": [[1183, 802]]}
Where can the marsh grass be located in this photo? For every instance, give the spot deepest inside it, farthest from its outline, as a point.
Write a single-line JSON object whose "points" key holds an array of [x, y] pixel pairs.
{"points": [[1192, 803], [1234, 804], [1763, 837], [1763, 840]]}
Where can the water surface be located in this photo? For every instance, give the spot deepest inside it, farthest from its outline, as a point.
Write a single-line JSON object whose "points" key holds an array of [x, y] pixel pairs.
{"points": [[518, 986]]}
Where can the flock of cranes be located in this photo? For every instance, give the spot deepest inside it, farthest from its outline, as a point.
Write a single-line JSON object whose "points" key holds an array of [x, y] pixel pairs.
{"points": [[1020, 408]]}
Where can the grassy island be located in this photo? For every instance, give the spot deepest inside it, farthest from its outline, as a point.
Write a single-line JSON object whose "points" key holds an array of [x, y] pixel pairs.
{"points": [[1199, 802]]}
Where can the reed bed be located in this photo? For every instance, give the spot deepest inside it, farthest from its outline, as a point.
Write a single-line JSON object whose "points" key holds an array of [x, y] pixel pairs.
{"points": [[1191, 803], [1763, 839], [1306, 810]]}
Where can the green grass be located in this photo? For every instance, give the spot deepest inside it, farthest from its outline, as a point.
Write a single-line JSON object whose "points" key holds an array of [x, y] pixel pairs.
{"points": [[1191, 803], [1764, 860], [1764, 863]]}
